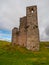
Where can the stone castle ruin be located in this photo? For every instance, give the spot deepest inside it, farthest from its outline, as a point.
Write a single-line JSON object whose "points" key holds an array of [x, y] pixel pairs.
{"points": [[28, 33]]}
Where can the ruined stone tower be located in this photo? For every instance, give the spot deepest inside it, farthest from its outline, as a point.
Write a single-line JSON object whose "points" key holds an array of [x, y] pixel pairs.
{"points": [[32, 28], [28, 35], [22, 31], [15, 36]]}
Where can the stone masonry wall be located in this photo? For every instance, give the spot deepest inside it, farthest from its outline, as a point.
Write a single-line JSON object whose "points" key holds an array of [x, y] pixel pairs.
{"points": [[22, 32], [32, 30], [15, 36]]}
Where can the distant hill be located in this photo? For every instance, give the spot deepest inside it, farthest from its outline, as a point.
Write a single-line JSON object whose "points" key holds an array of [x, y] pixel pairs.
{"points": [[2, 42], [16, 55]]}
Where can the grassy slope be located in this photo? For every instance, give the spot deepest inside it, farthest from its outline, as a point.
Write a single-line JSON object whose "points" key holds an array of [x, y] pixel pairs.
{"points": [[20, 56]]}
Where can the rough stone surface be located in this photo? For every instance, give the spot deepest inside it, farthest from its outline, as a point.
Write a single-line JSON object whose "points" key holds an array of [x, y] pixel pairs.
{"points": [[32, 30], [22, 32], [15, 36], [28, 35]]}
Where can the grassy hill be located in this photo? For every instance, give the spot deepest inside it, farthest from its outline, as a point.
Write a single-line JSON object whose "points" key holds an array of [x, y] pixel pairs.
{"points": [[21, 56]]}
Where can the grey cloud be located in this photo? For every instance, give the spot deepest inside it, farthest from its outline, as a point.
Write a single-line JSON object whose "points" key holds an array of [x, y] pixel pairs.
{"points": [[12, 10], [47, 30]]}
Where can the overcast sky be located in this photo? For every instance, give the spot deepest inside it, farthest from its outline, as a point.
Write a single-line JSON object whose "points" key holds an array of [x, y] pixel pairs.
{"points": [[12, 10]]}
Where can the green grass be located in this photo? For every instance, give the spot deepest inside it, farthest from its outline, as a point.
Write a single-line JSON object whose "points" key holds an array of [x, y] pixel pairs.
{"points": [[21, 56]]}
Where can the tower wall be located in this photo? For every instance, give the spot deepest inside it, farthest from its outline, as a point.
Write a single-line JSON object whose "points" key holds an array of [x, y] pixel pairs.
{"points": [[15, 36], [32, 28], [22, 31]]}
